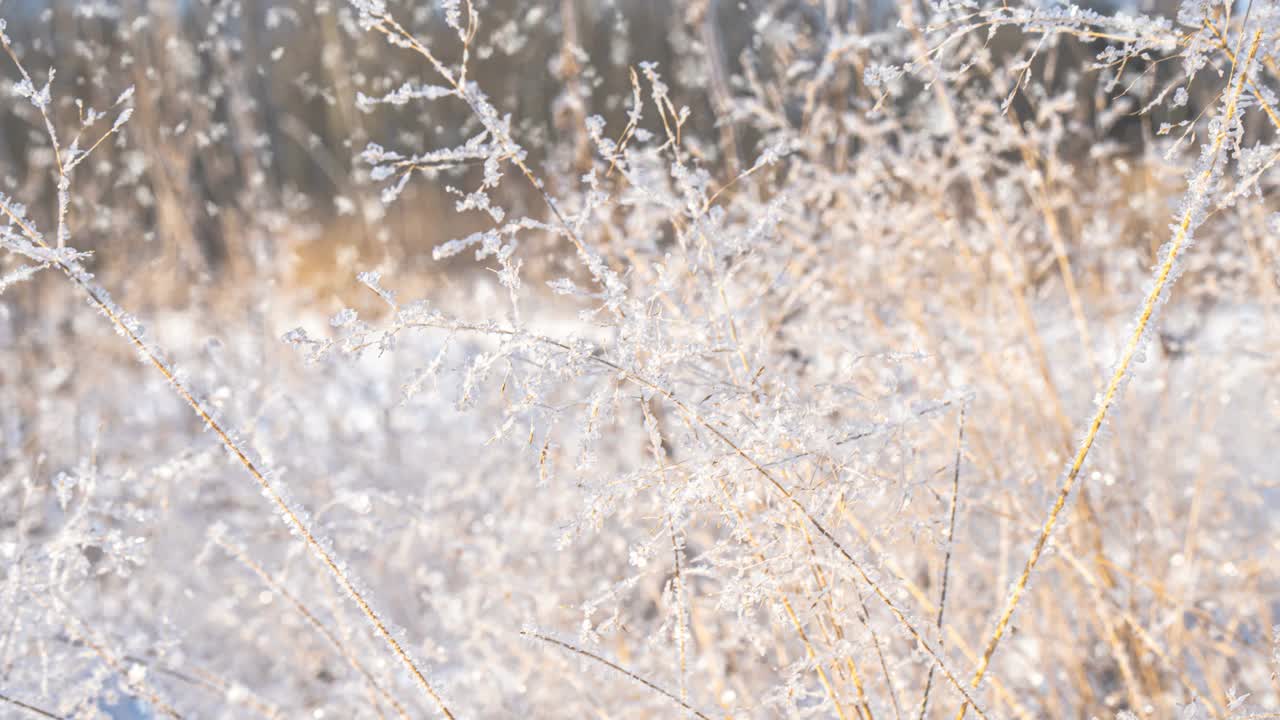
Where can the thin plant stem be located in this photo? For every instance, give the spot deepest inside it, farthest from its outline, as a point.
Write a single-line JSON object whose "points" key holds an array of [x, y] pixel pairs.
{"points": [[617, 668], [29, 708], [311, 619], [946, 561]]}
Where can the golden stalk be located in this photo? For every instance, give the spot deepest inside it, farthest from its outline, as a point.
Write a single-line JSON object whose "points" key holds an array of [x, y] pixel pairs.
{"points": [[1196, 191]]}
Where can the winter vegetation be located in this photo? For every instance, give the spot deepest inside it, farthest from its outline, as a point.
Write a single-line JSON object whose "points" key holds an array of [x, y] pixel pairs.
{"points": [[853, 359]]}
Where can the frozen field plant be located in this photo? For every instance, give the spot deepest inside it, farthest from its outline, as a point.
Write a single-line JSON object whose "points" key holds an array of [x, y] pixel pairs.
{"points": [[628, 359]]}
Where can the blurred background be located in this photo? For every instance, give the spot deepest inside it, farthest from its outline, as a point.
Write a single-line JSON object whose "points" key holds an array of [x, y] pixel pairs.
{"points": [[243, 151]]}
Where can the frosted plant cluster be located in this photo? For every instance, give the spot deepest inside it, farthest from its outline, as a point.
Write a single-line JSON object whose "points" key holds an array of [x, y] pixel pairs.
{"points": [[839, 359]]}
